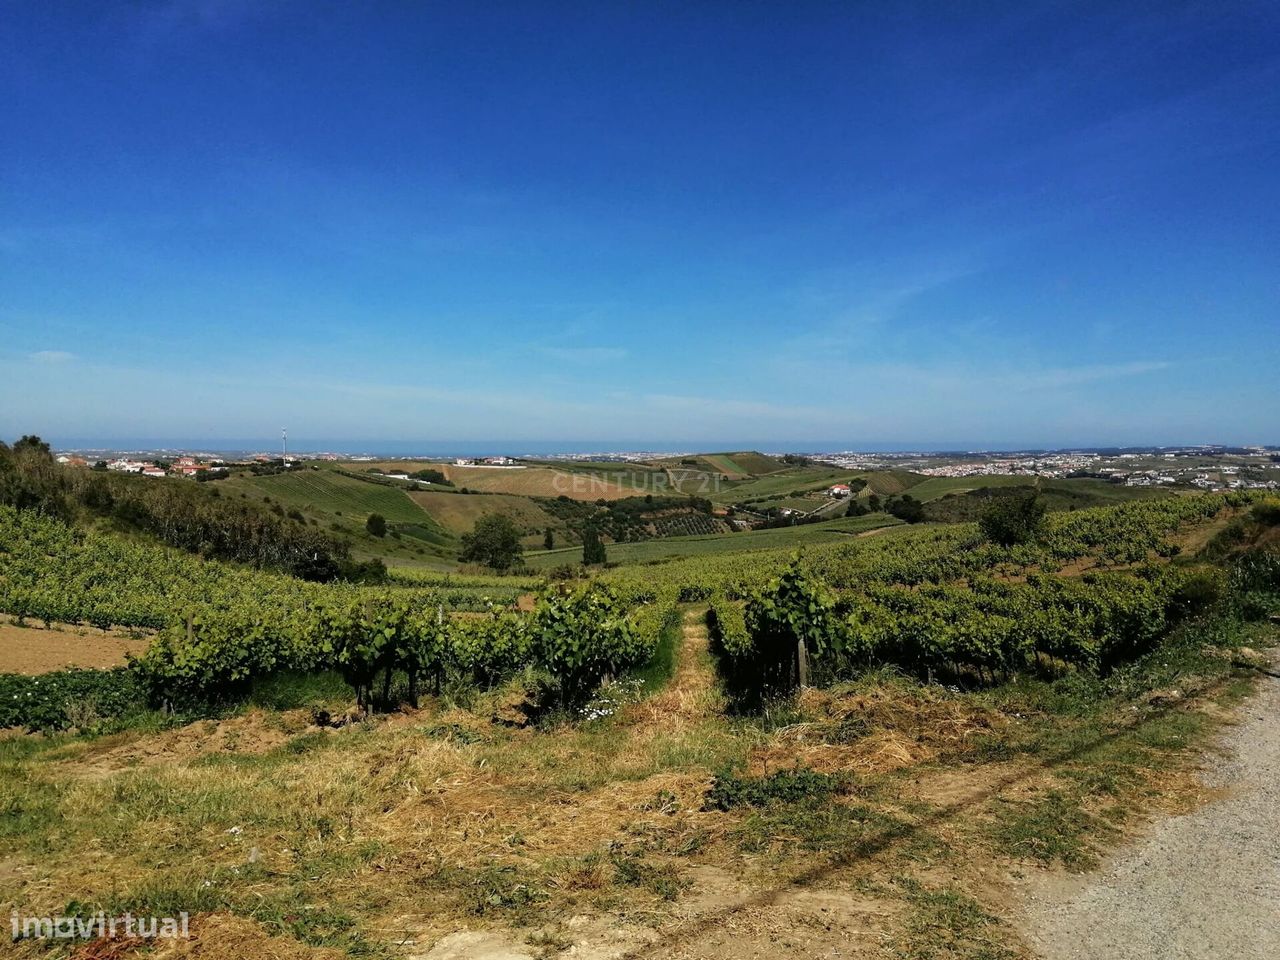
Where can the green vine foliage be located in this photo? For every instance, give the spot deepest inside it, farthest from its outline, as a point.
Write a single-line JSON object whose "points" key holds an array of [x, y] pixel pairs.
{"points": [[981, 630], [584, 636]]}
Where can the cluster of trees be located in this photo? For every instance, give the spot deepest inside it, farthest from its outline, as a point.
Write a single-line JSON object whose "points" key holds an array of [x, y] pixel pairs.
{"points": [[906, 508], [179, 514], [1013, 520], [270, 468], [431, 476], [494, 542]]}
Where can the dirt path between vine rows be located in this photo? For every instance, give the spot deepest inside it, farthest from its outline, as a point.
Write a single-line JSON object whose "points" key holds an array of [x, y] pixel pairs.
{"points": [[1202, 886]]}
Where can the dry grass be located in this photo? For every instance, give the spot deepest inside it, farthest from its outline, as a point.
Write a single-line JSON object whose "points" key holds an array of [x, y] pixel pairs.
{"points": [[220, 936], [541, 482], [458, 513], [290, 841], [875, 732]]}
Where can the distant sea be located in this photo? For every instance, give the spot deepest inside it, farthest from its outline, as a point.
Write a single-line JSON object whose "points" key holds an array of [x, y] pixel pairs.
{"points": [[448, 449], [458, 448], [397, 448]]}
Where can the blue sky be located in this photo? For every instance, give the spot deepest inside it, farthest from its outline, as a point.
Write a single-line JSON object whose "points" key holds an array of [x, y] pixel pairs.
{"points": [[864, 223]]}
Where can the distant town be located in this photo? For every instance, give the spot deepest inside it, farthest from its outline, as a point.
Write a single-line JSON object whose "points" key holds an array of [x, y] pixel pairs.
{"points": [[1211, 468], [1206, 468]]}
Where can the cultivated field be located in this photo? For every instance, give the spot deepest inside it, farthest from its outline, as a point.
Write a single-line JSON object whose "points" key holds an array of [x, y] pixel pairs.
{"points": [[458, 512], [34, 649], [831, 739], [782, 538], [327, 493], [547, 482]]}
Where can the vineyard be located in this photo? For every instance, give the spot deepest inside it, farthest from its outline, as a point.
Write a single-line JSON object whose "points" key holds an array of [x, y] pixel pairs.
{"points": [[524, 761], [220, 626], [1098, 539], [980, 631], [52, 572], [937, 599], [688, 525]]}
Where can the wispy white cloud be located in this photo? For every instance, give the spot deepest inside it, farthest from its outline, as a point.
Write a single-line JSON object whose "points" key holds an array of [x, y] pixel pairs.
{"points": [[52, 356]]}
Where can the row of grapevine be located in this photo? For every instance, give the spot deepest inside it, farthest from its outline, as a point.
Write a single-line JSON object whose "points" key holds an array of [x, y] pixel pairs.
{"points": [[578, 636], [987, 627], [891, 598]]}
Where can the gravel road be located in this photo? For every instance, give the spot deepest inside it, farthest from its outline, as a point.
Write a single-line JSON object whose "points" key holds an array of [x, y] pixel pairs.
{"points": [[1204, 886]]}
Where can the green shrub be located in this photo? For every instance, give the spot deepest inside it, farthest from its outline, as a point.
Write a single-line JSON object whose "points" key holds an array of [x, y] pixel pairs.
{"points": [[1196, 592], [1255, 583], [86, 699], [1267, 512], [786, 786]]}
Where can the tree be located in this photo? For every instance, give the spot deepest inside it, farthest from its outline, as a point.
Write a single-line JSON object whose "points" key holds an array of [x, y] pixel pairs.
{"points": [[548, 540], [1012, 520], [592, 547], [376, 525], [494, 542], [431, 476], [907, 508], [30, 443]]}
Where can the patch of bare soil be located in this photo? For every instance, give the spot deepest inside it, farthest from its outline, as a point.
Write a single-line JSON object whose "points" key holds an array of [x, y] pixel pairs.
{"points": [[1194, 539], [733, 923], [721, 918], [33, 650]]}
